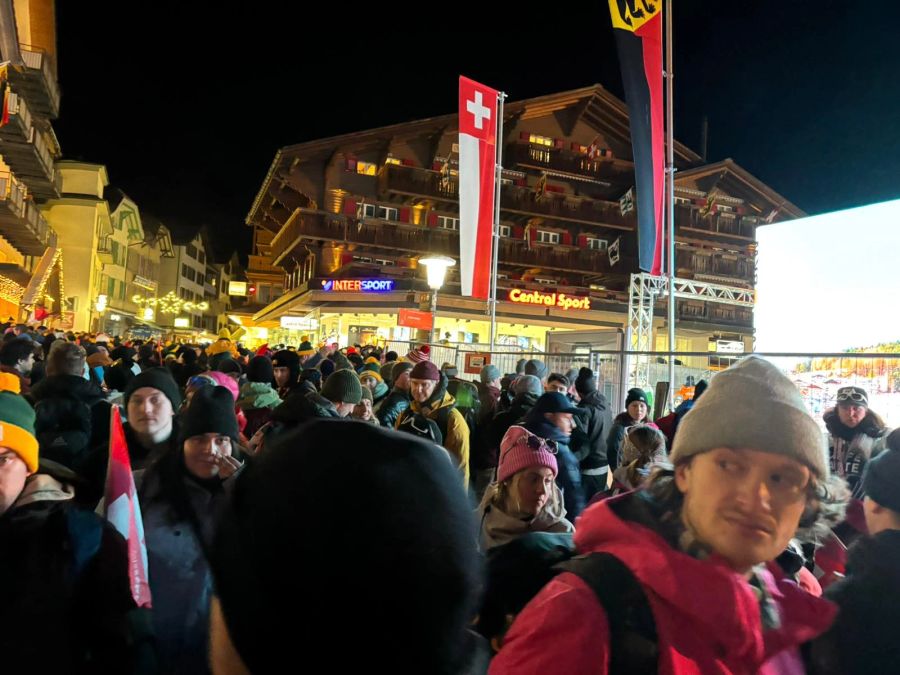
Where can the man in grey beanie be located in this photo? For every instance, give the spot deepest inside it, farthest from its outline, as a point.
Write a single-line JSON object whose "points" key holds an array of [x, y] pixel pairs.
{"points": [[537, 368], [750, 469]]}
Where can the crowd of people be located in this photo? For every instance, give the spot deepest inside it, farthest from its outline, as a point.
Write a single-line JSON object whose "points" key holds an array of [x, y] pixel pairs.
{"points": [[367, 509]]}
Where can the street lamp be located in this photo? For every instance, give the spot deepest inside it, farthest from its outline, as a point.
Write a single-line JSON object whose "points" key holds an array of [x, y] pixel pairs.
{"points": [[436, 269]]}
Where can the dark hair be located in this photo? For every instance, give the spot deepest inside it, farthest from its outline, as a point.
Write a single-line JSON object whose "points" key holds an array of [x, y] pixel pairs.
{"points": [[559, 377], [15, 350], [66, 358], [391, 356]]}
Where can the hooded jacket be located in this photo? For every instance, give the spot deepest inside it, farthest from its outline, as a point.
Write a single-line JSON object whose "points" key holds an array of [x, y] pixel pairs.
{"points": [[863, 639], [66, 599], [499, 527], [258, 395], [707, 616], [589, 439], [850, 449]]}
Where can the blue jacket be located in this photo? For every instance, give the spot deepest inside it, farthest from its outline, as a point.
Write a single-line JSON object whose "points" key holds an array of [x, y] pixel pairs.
{"points": [[569, 475]]}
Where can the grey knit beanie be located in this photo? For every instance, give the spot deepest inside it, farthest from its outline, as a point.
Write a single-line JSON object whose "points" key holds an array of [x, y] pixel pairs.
{"points": [[752, 405]]}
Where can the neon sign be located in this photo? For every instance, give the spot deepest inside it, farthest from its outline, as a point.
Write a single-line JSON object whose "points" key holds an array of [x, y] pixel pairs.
{"points": [[560, 300], [358, 285]]}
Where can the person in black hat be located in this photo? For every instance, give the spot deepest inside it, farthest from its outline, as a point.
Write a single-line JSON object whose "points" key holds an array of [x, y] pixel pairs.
{"points": [[863, 638], [857, 434], [151, 400], [552, 419], [405, 596], [181, 495], [286, 366], [637, 407], [589, 440]]}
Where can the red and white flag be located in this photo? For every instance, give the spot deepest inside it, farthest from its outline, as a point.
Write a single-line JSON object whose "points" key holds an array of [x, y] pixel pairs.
{"points": [[477, 166], [124, 511]]}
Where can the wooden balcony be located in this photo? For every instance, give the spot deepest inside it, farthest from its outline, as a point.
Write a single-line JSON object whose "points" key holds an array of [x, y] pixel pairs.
{"points": [[605, 170], [37, 81], [30, 149], [21, 221]]}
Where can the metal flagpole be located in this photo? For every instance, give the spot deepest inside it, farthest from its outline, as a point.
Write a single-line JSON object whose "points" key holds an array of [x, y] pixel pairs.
{"points": [[498, 172], [670, 196]]}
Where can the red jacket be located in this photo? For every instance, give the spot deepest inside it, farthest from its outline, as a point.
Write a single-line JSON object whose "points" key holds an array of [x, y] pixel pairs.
{"points": [[707, 616]]}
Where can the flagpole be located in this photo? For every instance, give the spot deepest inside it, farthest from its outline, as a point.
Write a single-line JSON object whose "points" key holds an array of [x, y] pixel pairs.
{"points": [[498, 172], [670, 196]]}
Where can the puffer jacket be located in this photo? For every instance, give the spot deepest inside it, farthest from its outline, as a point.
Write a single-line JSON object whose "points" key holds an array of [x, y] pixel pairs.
{"points": [[391, 407], [258, 395], [590, 446]]}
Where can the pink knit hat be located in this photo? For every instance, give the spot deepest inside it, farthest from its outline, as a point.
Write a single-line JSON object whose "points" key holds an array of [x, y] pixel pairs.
{"points": [[521, 449], [224, 380], [419, 354]]}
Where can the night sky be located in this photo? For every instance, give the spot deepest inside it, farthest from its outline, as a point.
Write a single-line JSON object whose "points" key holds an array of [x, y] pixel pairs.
{"points": [[187, 110]]}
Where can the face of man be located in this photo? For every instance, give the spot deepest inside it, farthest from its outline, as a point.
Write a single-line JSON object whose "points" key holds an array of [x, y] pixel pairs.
{"points": [[363, 411], [13, 473], [25, 366], [743, 504], [555, 386], [402, 382], [562, 421], [282, 375], [150, 413], [851, 415], [422, 389]]}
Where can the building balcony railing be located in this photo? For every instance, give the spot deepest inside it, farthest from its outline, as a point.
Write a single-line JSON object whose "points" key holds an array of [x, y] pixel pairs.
{"points": [[413, 181], [731, 316], [104, 250], [38, 81], [717, 224], [30, 150], [564, 161], [21, 221]]}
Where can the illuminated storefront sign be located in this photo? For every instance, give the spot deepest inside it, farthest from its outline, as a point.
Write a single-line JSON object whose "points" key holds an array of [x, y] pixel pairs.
{"points": [[560, 300], [358, 285], [238, 288], [298, 323]]}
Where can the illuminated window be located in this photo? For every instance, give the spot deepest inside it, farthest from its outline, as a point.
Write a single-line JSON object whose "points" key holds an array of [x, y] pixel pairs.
{"points": [[448, 223], [366, 168], [545, 237], [597, 244], [540, 140], [392, 160]]}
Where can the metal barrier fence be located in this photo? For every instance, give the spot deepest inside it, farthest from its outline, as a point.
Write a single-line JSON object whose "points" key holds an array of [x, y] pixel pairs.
{"points": [[817, 376]]}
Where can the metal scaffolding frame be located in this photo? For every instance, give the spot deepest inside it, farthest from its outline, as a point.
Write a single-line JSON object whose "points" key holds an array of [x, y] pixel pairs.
{"points": [[644, 290]]}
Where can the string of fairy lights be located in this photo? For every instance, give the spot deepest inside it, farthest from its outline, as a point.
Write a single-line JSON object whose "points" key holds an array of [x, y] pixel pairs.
{"points": [[170, 304]]}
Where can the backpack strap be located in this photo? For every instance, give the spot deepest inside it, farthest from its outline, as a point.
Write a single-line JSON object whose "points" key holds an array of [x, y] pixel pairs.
{"points": [[634, 644]]}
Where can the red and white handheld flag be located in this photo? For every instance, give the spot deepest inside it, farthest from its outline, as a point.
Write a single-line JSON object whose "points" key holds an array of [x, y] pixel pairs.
{"points": [[124, 511], [477, 166]]}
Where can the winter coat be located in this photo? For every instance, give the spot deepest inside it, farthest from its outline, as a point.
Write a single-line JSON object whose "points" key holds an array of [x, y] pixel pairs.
{"points": [[617, 434], [456, 440], [297, 409], [499, 527], [707, 616], [65, 599], [589, 445], [863, 638], [392, 407], [850, 449], [140, 456], [501, 423], [180, 578], [72, 426], [568, 477], [258, 395]]}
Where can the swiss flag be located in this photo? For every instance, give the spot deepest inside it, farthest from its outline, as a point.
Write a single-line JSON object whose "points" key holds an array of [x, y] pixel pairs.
{"points": [[124, 511], [477, 167]]}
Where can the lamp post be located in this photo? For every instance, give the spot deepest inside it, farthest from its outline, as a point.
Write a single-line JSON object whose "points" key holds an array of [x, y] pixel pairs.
{"points": [[436, 269]]}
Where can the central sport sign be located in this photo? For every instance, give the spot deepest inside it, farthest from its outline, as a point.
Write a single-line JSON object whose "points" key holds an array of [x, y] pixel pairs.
{"points": [[560, 300]]}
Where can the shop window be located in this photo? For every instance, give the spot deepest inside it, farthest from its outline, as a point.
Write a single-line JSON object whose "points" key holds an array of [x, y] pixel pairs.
{"points": [[597, 244], [545, 237], [448, 223], [366, 168]]}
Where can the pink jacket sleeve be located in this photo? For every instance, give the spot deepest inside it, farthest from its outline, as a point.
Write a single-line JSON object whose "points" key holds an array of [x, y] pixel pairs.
{"points": [[562, 630]]}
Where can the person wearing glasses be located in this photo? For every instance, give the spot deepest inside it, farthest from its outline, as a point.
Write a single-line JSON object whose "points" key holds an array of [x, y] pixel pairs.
{"points": [[525, 497], [856, 435], [689, 550]]}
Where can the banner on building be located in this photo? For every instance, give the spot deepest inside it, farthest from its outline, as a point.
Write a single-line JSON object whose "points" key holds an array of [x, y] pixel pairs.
{"points": [[638, 31], [477, 168]]}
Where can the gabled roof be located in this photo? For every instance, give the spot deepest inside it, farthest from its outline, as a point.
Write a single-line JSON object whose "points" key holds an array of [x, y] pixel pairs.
{"points": [[733, 179], [594, 105]]}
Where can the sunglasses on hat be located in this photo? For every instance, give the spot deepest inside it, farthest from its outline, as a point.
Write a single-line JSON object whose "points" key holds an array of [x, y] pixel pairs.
{"points": [[536, 443], [853, 395]]}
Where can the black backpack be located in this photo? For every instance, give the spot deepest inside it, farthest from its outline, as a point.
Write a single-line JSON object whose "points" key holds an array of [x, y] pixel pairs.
{"points": [[63, 431], [418, 425], [517, 571]]}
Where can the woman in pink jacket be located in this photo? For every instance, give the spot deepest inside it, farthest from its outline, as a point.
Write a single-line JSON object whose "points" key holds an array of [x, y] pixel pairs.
{"points": [[749, 470]]}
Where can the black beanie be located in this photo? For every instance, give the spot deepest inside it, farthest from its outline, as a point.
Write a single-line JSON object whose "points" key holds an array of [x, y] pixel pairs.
{"points": [[413, 579], [211, 411], [289, 360], [326, 367], [585, 382], [187, 354], [636, 395], [260, 370], [155, 378]]}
